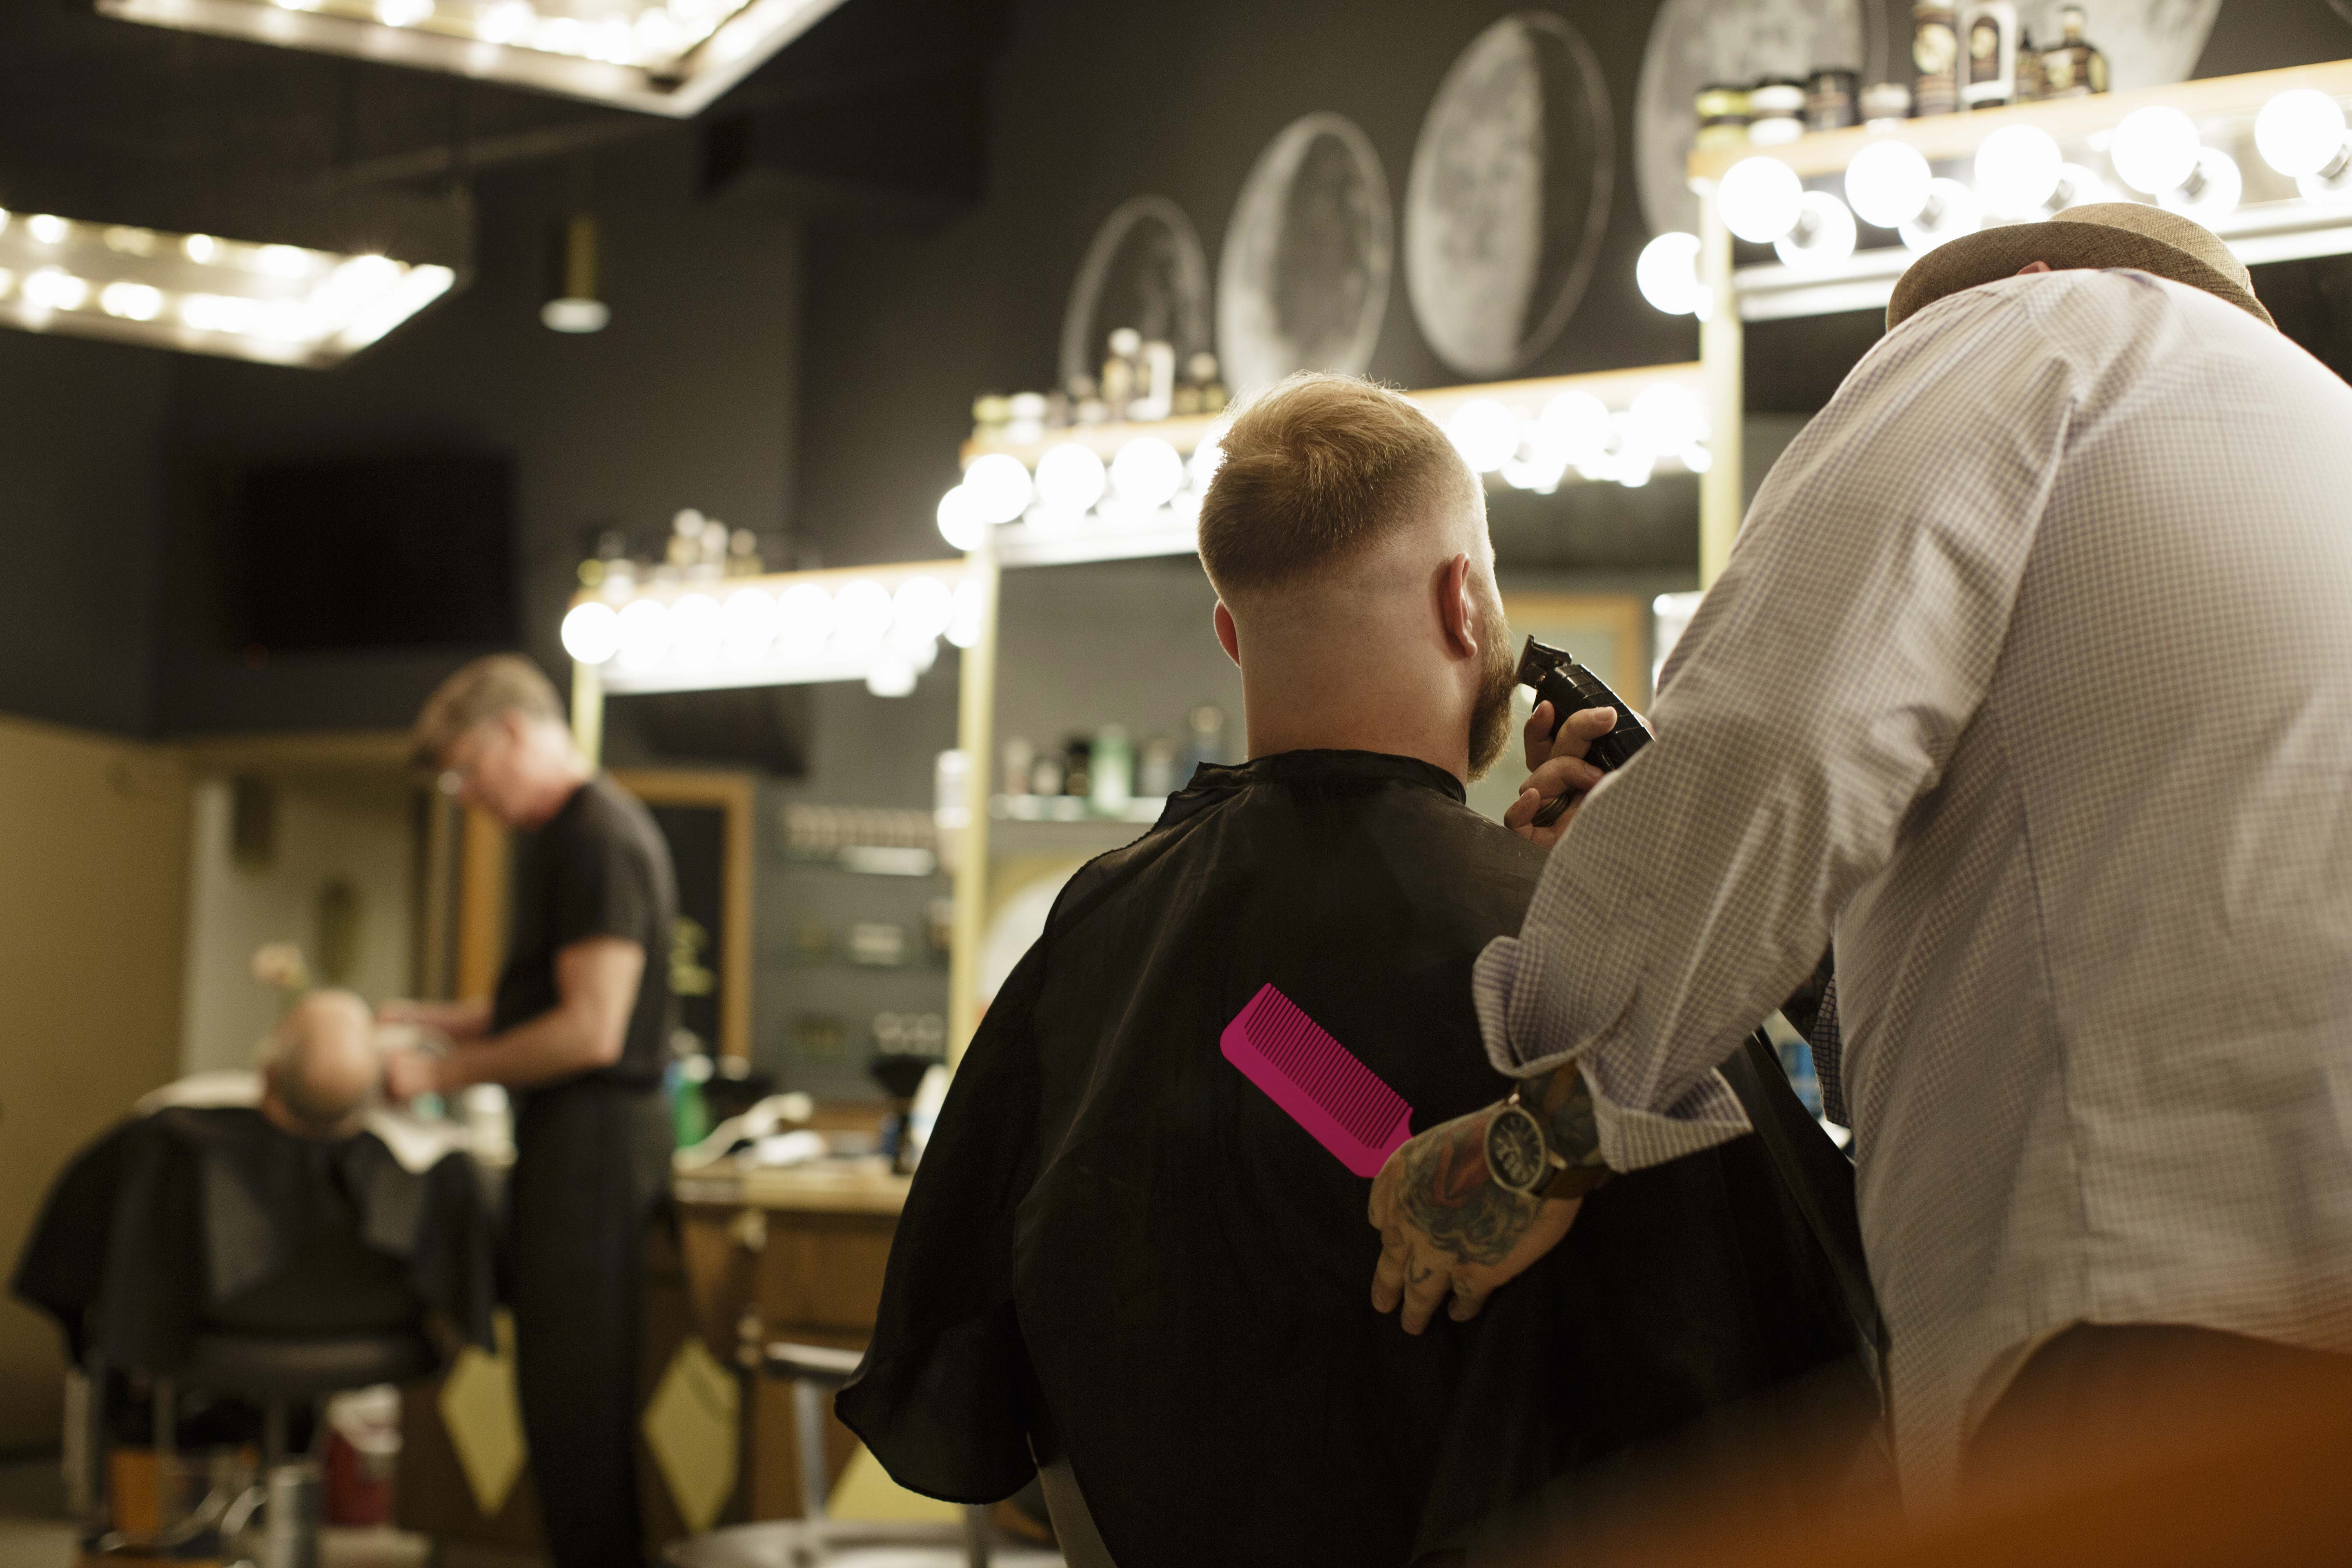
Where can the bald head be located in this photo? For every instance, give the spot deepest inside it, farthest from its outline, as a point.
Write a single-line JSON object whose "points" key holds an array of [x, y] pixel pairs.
{"points": [[1346, 541], [322, 1064]]}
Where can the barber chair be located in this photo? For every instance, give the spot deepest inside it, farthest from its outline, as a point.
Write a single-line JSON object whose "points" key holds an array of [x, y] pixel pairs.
{"points": [[815, 1540], [280, 1375]]}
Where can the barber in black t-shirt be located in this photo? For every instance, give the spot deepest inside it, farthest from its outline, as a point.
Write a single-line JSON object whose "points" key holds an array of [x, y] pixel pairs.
{"points": [[577, 1032]]}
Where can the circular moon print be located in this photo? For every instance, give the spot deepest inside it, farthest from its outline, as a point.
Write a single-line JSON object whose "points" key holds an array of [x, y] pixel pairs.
{"points": [[1509, 196], [1304, 279], [1696, 42], [1145, 270]]}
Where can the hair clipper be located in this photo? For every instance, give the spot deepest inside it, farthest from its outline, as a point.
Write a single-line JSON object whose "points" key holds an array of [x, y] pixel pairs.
{"points": [[1571, 688]]}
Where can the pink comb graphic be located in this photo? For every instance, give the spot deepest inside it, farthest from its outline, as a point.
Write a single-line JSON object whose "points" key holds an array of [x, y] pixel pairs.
{"points": [[1341, 1102]]}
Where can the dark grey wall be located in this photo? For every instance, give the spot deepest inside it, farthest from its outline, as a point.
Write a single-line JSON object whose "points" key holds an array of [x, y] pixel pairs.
{"points": [[81, 425], [687, 399]]}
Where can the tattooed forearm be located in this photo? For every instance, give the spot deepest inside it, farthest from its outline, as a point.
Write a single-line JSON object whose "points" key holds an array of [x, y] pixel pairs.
{"points": [[1566, 1107], [1449, 1195]]}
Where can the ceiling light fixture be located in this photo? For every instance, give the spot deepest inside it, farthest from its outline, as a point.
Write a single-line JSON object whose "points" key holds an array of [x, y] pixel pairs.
{"points": [[281, 304], [667, 59]]}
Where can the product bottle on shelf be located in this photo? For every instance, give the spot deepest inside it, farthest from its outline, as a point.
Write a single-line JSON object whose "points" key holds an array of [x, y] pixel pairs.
{"points": [[2031, 86], [1207, 724], [2074, 69], [1020, 760], [1155, 382], [1110, 771], [1078, 778], [1722, 116], [1155, 771], [1885, 104], [1085, 407], [1990, 63], [1047, 775], [1776, 112], [1118, 370], [1831, 97], [1936, 54], [1203, 368]]}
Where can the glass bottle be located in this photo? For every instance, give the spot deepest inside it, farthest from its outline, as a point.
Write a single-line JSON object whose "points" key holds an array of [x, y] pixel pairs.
{"points": [[2075, 68], [1936, 55], [1110, 771], [2029, 69]]}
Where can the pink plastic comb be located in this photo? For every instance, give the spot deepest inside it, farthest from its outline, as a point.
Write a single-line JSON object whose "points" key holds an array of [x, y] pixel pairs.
{"points": [[1341, 1102]]}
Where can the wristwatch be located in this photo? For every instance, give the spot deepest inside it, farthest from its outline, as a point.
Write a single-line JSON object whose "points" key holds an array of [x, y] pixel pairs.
{"points": [[1520, 1157]]}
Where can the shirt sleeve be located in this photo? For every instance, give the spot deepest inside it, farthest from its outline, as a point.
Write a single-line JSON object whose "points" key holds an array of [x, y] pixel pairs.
{"points": [[602, 888], [1817, 692]]}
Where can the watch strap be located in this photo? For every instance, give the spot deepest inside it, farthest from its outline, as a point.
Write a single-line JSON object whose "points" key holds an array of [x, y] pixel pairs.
{"points": [[1575, 1180]]}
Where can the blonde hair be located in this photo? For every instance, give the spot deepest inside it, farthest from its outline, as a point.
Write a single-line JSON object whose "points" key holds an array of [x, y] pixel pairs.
{"points": [[1318, 469], [494, 684]]}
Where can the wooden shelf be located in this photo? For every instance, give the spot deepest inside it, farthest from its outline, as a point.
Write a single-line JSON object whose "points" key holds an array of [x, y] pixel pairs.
{"points": [[1942, 138]]}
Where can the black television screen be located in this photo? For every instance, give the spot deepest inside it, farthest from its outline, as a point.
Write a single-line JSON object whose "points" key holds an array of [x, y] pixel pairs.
{"points": [[377, 552]]}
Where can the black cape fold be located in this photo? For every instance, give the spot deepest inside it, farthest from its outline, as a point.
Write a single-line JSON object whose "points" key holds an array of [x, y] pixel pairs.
{"points": [[1110, 1214]]}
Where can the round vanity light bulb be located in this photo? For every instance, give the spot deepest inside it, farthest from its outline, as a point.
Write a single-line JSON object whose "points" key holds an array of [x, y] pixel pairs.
{"points": [[999, 487], [592, 632], [1208, 457], [2018, 170], [964, 626], [1824, 236], [861, 615], [55, 288], [131, 301], [2300, 132], [1577, 425], [645, 634], [960, 520], [2155, 149], [750, 625], [1759, 199], [1669, 417], [891, 675], [1952, 210], [1886, 184], [1070, 478], [1485, 433], [2077, 186], [803, 620], [920, 609], [696, 625], [1147, 472], [1667, 274], [2211, 193]]}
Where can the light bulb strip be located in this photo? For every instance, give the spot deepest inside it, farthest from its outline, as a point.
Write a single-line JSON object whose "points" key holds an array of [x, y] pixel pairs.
{"points": [[675, 65]]}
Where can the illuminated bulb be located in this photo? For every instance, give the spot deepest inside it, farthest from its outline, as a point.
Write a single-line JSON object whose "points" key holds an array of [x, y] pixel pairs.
{"points": [[659, 34], [1759, 199], [803, 620], [402, 12], [645, 634], [920, 610], [861, 617], [890, 675], [1823, 235], [200, 246], [4, 215], [560, 36], [1667, 274], [1886, 184], [592, 633], [53, 289], [2018, 170], [1578, 423], [46, 228], [506, 22], [2155, 149], [697, 627], [2076, 185], [1485, 433], [750, 625], [219, 313], [1952, 210], [7, 280], [964, 626], [131, 301], [2211, 192], [2301, 132], [1070, 478], [1636, 459], [284, 260], [287, 321], [960, 521], [131, 241], [1669, 417], [999, 487], [1147, 472]]}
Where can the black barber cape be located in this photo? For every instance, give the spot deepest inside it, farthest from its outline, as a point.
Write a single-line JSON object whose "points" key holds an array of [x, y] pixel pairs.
{"points": [[215, 1219], [1109, 1214]]}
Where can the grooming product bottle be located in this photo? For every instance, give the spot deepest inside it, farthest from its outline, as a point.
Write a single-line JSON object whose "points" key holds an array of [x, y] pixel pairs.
{"points": [[2029, 69], [1989, 62], [1722, 116], [1776, 112], [1936, 55], [2075, 68], [1832, 94]]}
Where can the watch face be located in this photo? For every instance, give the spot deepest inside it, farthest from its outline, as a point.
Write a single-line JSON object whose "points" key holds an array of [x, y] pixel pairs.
{"points": [[1514, 1149]]}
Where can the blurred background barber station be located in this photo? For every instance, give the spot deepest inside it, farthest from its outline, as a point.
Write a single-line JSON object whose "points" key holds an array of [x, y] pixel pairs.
{"points": [[822, 393]]}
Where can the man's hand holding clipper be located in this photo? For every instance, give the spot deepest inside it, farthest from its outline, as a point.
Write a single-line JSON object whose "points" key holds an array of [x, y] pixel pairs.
{"points": [[1555, 768]]}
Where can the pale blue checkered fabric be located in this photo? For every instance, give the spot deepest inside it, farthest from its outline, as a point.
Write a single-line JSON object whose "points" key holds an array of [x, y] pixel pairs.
{"points": [[2031, 681]]}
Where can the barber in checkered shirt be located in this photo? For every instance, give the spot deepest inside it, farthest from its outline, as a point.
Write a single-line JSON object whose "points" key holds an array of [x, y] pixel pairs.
{"points": [[2030, 683]]}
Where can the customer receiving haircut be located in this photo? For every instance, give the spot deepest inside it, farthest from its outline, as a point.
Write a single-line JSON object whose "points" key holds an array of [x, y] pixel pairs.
{"points": [[1318, 469], [490, 685]]}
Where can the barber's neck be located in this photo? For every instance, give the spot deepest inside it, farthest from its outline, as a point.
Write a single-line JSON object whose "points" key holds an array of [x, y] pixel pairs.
{"points": [[1363, 699]]}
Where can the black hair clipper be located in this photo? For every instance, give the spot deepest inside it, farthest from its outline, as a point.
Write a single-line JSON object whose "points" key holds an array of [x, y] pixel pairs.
{"points": [[1571, 688]]}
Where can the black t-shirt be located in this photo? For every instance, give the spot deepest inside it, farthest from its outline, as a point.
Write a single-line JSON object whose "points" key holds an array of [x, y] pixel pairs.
{"points": [[598, 868]]}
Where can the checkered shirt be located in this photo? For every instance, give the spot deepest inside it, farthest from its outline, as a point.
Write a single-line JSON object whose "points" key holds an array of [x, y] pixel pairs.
{"points": [[2029, 681]]}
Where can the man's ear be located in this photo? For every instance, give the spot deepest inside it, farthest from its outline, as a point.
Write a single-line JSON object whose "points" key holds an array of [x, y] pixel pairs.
{"points": [[1228, 637], [1458, 613]]}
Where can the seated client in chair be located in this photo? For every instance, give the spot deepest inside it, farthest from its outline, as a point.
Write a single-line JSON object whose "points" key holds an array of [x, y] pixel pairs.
{"points": [[1137, 1243]]}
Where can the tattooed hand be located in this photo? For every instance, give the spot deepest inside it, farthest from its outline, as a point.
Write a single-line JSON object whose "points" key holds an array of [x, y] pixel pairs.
{"points": [[1448, 1228]]}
